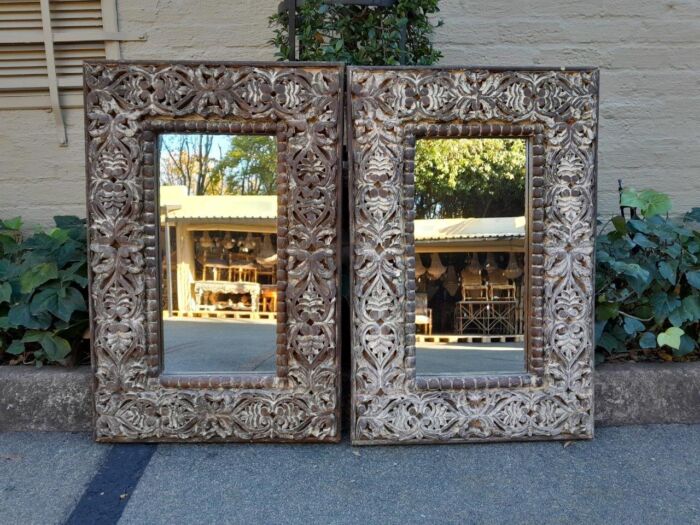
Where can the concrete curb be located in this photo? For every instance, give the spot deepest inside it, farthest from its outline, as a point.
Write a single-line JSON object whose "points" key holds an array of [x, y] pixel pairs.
{"points": [[59, 399], [45, 399], [643, 393]]}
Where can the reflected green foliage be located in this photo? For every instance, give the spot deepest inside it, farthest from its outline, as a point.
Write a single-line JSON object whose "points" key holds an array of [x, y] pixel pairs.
{"points": [[362, 35], [249, 167], [43, 291], [648, 281], [470, 178]]}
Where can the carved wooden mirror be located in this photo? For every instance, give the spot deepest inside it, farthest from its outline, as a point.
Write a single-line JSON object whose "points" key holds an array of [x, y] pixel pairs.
{"points": [[213, 205], [472, 282]]}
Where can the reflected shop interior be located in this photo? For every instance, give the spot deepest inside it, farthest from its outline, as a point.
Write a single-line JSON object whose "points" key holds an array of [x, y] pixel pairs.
{"points": [[218, 244], [470, 232]]}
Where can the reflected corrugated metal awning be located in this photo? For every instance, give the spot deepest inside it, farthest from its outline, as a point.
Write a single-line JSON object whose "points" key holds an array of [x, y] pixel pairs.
{"points": [[199, 207], [470, 228]]}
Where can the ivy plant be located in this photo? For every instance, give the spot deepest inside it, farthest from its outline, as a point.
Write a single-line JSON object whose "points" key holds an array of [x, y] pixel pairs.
{"points": [[648, 281], [43, 289], [361, 34]]}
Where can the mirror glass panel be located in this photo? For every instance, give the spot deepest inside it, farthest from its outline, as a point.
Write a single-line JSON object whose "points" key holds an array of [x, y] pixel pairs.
{"points": [[218, 245], [470, 244]]}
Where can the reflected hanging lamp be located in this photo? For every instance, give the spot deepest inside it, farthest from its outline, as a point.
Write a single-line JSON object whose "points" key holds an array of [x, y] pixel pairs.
{"points": [[228, 242], [491, 263], [420, 268], [451, 283], [206, 241], [513, 270], [436, 269]]}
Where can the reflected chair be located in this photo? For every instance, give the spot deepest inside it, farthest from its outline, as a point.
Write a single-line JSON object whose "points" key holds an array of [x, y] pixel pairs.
{"points": [[499, 287], [268, 298], [243, 272], [473, 288], [424, 315], [217, 267]]}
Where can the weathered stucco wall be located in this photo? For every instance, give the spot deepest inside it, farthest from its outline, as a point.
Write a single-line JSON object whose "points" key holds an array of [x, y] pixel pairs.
{"points": [[648, 51]]}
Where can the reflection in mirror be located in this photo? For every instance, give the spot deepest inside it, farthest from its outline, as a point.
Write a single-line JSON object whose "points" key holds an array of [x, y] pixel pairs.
{"points": [[470, 244], [218, 245]]}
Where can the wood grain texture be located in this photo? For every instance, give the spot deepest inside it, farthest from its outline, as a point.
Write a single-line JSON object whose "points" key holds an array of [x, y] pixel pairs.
{"points": [[387, 106], [132, 401]]}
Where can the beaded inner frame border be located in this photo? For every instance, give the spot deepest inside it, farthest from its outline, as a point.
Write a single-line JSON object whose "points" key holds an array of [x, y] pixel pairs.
{"points": [[126, 105], [557, 110]]}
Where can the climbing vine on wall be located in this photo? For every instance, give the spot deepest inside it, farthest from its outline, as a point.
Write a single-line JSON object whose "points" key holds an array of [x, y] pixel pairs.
{"points": [[355, 34]]}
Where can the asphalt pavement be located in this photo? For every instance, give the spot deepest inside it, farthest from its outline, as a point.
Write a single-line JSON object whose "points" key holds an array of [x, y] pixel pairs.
{"points": [[636, 475]]}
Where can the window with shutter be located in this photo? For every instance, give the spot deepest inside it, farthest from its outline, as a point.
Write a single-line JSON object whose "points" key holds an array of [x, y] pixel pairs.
{"points": [[43, 44]]}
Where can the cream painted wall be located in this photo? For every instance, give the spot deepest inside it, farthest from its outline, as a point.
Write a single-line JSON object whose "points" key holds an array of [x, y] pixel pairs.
{"points": [[648, 52]]}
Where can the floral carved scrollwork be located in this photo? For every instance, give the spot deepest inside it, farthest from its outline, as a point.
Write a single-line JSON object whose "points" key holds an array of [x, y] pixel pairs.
{"points": [[385, 106], [132, 403]]}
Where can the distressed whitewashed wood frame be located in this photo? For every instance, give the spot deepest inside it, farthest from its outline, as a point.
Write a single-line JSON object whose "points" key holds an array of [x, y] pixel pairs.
{"points": [[126, 106], [557, 111]]}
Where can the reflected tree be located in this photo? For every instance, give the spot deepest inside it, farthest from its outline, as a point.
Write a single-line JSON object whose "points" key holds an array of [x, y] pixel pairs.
{"points": [[188, 162], [249, 167], [470, 178]]}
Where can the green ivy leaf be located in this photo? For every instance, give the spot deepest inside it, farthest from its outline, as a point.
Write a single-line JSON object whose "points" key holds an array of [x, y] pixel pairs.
{"points": [[678, 316], [691, 304], [647, 340], [56, 348], [639, 225], [68, 221], [671, 337], [632, 325], [45, 300], [5, 292], [15, 348], [687, 345], [693, 278], [71, 302], [599, 328], [655, 203], [693, 215], [663, 304], [37, 275], [638, 277], [667, 271], [12, 224], [611, 343], [620, 224], [648, 202], [21, 317], [605, 311], [643, 241]]}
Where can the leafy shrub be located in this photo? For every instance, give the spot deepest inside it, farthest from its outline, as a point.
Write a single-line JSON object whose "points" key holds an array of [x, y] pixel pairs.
{"points": [[43, 281], [648, 281], [360, 34]]}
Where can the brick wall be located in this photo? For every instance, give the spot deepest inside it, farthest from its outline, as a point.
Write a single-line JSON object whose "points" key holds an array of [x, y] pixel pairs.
{"points": [[648, 52]]}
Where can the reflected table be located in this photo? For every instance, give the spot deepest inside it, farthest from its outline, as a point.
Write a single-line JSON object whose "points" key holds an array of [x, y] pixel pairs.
{"points": [[487, 317], [228, 287]]}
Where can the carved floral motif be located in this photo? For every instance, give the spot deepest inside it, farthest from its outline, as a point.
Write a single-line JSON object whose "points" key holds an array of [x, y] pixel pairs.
{"points": [[132, 403], [389, 405]]}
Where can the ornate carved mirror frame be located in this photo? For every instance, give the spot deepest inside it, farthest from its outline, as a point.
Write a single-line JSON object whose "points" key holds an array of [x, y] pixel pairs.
{"points": [[556, 111], [126, 106]]}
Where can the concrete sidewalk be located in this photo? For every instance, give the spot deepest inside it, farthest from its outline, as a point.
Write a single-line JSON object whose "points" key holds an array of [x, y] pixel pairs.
{"points": [[636, 475]]}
